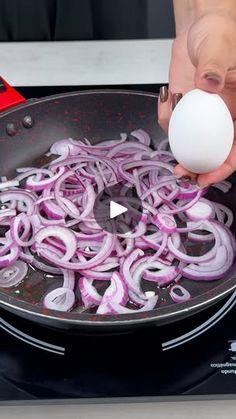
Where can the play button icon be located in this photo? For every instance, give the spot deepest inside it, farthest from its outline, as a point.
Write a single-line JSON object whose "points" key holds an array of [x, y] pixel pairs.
{"points": [[118, 209]]}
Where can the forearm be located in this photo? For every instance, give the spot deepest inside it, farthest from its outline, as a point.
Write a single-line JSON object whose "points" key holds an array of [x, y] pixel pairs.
{"points": [[188, 11]]}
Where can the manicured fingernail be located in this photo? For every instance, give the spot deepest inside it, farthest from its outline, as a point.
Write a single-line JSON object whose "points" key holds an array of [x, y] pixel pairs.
{"points": [[163, 94], [213, 77], [175, 99], [202, 185], [186, 178]]}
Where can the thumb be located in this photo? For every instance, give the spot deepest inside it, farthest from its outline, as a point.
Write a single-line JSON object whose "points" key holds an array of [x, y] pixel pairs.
{"points": [[213, 61], [211, 51]]}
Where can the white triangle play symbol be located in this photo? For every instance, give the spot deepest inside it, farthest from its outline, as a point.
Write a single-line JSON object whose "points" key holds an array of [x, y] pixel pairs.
{"points": [[116, 209]]}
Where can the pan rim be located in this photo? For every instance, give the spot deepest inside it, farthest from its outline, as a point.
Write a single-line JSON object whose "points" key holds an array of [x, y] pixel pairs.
{"points": [[119, 319], [35, 101]]}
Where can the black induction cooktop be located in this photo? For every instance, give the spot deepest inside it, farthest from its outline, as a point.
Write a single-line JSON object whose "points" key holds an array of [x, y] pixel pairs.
{"points": [[193, 358]]}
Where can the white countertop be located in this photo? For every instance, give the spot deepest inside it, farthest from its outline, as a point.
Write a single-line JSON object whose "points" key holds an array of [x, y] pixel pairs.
{"points": [[85, 62], [99, 63], [172, 410]]}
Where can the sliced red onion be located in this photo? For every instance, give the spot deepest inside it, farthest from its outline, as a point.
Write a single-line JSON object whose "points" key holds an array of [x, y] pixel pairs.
{"points": [[91, 237], [127, 275], [226, 213], [124, 167], [130, 243], [60, 299], [26, 258], [163, 247], [153, 240], [65, 147], [186, 194], [140, 230], [186, 206], [7, 213], [53, 210], [191, 259], [106, 267], [6, 243], [65, 204], [165, 223], [66, 236], [19, 195], [80, 159], [223, 186], [9, 184], [216, 268], [183, 295], [88, 292], [103, 146], [199, 211], [39, 185], [163, 277], [226, 235], [11, 257], [200, 237], [90, 199], [13, 275], [54, 230], [40, 265], [117, 292], [21, 220], [196, 232], [96, 275], [105, 251], [142, 136], [68, 279], [37, 173], [115, 308], [137, 299], [191, 226], [123, 149]]}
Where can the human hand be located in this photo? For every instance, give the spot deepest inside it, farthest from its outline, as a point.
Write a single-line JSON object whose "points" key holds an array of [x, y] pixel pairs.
{"points": [[204, 57]]}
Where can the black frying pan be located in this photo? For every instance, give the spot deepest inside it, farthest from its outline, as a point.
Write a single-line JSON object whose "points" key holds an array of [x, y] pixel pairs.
{"points": [[26, 133]]}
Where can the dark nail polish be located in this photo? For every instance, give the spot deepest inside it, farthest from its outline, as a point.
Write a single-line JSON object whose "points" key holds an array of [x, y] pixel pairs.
{"points": [[185, 178], [175, 99], [213, 77], [163, 94]]}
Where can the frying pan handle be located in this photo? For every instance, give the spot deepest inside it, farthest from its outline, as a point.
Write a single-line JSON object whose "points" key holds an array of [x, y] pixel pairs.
{"points": [[9, 97]]}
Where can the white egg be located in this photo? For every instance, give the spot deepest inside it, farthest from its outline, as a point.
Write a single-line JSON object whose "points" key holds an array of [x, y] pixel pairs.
{"points": [[201, 131]]}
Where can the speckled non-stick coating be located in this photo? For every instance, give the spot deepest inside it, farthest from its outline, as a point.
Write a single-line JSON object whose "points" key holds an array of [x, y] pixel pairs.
{"points": [[97, 115]]}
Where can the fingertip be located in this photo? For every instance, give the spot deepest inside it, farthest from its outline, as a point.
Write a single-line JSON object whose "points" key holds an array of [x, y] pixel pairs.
{"points": [[180, 171], [209, 81], [203, 181], [216, 176]]}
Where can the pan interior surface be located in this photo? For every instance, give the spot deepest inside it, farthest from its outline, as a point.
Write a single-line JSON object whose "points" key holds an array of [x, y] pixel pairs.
{"points": [[96, 115]]}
